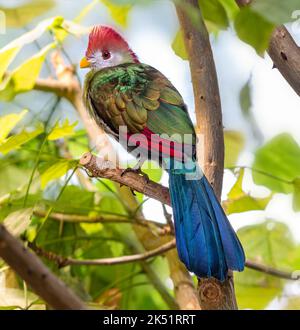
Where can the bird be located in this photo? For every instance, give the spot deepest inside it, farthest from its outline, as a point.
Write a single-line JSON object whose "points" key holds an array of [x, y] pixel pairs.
{"points": [[136, 103]]}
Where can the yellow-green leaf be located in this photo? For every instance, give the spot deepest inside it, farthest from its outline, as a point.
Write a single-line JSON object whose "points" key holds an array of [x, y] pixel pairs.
{"points": [[255, 297], [23, 78], [276, 11], [17, 140], [296, 195], [17, 222], [8, 122], [214, 13], [56, 171], [237, 190], [22, 14], [6, 57], [62, 30], [238, 201], [234, 143], [118, 12], [268, 243], [277, 163], [253, 29], [245, 203], [178, 46], [62, 130]]}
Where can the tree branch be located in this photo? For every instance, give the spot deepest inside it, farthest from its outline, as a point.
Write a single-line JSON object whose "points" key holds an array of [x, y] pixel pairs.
{"points": [[178, 273], [98, 167], [62, 262], [212, 293], [284, 52], [270, 270], [32, 270], [160, 228], [104, 169], [206, 93]]}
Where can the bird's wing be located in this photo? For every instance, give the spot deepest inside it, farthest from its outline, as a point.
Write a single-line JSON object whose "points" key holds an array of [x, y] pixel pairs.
{"points": [[140, 98]]}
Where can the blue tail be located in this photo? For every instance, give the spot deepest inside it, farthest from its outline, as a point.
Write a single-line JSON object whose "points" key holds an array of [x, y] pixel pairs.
{"points": [[206, 242]]}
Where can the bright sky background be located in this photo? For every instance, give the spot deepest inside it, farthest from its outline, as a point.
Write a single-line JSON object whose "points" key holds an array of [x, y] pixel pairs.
{"points": [[275, 105]]}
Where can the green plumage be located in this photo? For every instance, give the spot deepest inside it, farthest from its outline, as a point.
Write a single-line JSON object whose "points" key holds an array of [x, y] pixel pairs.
{"points": [[137, 96]]}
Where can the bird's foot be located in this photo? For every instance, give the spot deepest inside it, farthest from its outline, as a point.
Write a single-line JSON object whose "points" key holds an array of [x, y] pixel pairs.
{"points": [[136, 171]]}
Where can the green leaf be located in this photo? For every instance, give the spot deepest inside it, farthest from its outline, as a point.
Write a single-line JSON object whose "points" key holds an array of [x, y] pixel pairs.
{"points": [[245, 99], [152, 170], [255, 297], [66, 27], [14, 178], [234, 144], [245, 203], [237, 190], [246, 106], [8, 122], [17, 140], [56, 171], [276, 11], [296, 195], [214, 12], [62, 130], [16, 200], [268, 243], [238, 201], [22, 14], [74, 200], [17, 222], [78, 145], [23, 78], [178, 46], [279, 160], [253, 29], [109, 203], [119, 12], [231, 8]]}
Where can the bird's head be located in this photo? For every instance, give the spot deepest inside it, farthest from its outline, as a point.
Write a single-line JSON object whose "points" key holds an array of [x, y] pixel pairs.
{"points": [[106, 48]]}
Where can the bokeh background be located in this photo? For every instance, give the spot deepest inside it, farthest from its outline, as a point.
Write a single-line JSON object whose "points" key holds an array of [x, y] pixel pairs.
{"points": [[261, 115]]}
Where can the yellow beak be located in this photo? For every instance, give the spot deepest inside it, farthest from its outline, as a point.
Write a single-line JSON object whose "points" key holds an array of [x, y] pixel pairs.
{"points": [[84, 63]]}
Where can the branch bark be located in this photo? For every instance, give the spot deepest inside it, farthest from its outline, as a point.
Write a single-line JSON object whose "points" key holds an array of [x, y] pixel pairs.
{"points": [[104, 169], [98, 167], [63, 262], [32, 270], [284, 52], [270, 270], [212, 293], [67, 86], [160, 228]]}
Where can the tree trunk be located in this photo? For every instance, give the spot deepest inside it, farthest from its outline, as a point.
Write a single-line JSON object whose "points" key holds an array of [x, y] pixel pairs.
{"points": [[213, 294]]}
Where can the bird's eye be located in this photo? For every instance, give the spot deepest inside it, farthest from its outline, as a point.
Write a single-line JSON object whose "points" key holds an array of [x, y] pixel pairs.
{"points": [[106, 55]]}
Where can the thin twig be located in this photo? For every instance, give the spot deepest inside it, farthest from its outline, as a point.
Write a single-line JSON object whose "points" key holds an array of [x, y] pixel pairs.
{"points": [[62, 262], [270, 270], [74, 218], [168, 218]]}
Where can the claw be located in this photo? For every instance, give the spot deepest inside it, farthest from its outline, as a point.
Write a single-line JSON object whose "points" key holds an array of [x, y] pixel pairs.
{"points": [[136, 171]]}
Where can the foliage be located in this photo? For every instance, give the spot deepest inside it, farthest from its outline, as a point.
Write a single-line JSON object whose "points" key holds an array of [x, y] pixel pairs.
{"points": [[40, 177]]}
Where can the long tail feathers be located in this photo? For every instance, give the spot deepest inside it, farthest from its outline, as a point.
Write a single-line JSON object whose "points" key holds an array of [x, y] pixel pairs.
{"points": [[206, 242]]}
